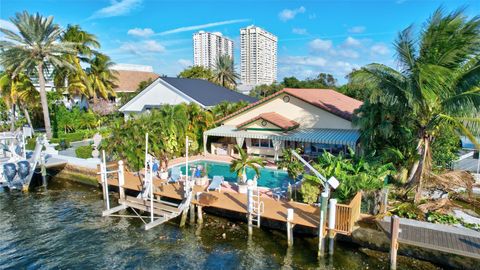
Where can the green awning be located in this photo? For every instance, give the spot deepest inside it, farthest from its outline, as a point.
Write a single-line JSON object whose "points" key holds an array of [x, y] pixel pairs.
{"points": [[347, 137]]}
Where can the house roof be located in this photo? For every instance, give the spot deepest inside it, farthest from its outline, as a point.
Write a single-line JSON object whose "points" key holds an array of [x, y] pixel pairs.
{"points": [[205, 92], [128, 80], [326, 99], [274, 118]]}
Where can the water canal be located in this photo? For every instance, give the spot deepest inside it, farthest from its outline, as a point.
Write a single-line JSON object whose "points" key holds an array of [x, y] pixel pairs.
{"points": [[62, 228]]}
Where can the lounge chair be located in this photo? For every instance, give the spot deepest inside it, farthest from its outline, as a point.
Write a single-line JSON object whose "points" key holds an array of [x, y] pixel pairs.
{"points": [[216, 183], [278, 193], [175, 175]]}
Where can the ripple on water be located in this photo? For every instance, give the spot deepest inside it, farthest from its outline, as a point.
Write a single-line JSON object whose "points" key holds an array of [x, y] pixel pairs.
{"points": [[63, 228]]}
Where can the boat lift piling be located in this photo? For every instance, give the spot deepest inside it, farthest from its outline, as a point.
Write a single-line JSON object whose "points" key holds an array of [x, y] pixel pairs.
{"points": [[290, 227], [331, 225]]}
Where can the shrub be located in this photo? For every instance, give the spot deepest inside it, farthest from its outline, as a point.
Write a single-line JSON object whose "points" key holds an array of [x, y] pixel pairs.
{"points": [[309, 192], [84, 151]]}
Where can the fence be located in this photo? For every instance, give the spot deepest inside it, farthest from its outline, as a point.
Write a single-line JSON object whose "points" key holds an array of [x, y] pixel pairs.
{"points": [[347, 215]]}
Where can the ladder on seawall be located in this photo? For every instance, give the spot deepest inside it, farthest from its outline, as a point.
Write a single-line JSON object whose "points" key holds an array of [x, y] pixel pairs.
{"points": [[257, 207]]}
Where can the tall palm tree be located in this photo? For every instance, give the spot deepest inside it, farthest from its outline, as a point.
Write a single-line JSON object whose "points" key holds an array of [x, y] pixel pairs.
{"points": [[101, 77], [76, 80], [224, 72], [34, 47], [439, 82]]}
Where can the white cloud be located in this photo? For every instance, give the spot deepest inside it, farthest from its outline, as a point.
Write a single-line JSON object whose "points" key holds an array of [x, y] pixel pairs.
{"points": [[184, 62], [143, 47], [318, 45], [8, 25], [289, 14], [299, 31], [200, 26], [357, 29], [139, 32], [380, 49], [352, 42], [348, 53], [116, 8], [304, 60]]}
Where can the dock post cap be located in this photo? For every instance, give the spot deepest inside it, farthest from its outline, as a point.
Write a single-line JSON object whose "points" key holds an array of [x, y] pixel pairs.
{"points": [[120, 162], [289, 214]]}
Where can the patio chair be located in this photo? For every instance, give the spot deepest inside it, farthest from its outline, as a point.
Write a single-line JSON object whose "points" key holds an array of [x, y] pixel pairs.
{"points": [[175, 175], [278, 193], [216, 183]]}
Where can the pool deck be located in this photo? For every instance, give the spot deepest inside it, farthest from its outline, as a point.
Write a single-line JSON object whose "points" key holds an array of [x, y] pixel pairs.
{"points": [[228, 199]]}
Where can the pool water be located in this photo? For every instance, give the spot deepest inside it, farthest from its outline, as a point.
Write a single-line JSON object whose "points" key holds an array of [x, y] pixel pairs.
{"points": [[270, 178]]}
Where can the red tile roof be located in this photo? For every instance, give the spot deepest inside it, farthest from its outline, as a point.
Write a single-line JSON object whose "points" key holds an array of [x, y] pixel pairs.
{"points": [[128, 80], [326, 99], [274, 118]]}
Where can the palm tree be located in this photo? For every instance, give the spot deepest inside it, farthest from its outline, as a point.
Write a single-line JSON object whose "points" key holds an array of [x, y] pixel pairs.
{"points": [[241, 164], [18, 90], [101, 77], [76, 80], [438, 82], [34, 47], [224, 73]]}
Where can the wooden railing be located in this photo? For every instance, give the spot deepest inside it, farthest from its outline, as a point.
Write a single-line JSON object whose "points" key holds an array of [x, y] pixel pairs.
{"points": [[347, 215]]}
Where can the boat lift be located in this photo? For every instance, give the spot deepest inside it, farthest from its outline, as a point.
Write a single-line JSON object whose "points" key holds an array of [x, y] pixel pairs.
{"points": [[16, 170], [159, 211]]}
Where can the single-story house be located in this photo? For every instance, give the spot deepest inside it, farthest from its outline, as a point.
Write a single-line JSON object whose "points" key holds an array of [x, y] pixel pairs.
{"points": [[314, 119], [167, 90]]}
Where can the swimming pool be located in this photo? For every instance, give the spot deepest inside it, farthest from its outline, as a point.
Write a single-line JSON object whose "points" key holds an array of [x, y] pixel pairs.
{"points": [[270, 178]]}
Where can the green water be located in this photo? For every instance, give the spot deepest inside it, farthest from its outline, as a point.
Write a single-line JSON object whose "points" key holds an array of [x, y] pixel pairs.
{"points": [[62, 228], [270, 178]]}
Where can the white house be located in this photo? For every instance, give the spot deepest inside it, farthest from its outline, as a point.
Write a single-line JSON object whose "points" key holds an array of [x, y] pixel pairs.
{"points": [[173, 91]]}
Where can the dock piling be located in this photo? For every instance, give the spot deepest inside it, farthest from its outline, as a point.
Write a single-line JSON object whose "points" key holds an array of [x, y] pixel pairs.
{"points": [[394, 230], [250, 210], [199, 214], [43, 171], [121, 180], [331, 224], [321, 226], [192, 214], [289, 227]]}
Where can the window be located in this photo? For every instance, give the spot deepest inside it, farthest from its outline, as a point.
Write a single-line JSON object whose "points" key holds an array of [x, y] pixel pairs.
{"points": [[265, 143]]}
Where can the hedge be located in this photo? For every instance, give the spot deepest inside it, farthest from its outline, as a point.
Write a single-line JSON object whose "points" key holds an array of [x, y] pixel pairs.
{"points": [[84, 151]]}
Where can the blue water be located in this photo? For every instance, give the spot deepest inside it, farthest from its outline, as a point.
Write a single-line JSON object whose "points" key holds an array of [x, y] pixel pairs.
{"points": [[270, 178]]}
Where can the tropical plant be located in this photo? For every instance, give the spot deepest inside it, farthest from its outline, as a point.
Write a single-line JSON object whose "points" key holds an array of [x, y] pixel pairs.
{"points": [[438, 82], [18, 91], [167, 128], [75, 81], [31, 49], [224, 73], [196, 72], [294, 167], [225, 108], [101, 77], [354, 174], [240, 165], [265, 90]]}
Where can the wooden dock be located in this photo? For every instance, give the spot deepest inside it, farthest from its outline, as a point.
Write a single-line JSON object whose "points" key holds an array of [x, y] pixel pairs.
{"points": [[422, 234], [304, 214]]}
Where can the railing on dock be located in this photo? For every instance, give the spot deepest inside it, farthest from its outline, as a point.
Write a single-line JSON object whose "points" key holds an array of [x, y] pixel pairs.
{"points": [[348, 214]]}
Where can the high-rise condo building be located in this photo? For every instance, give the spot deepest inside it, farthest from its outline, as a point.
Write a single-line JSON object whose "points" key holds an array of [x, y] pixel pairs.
{"points": [[207, 47], [258, 56]]}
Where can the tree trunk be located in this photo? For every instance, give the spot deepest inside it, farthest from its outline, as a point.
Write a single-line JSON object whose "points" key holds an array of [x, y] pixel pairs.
{"points": [[29, 120], [420, 171], [12, 119], [43, 100]]}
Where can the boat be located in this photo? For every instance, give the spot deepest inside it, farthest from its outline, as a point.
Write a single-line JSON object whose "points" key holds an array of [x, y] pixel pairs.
{"points": [[17, 165]]}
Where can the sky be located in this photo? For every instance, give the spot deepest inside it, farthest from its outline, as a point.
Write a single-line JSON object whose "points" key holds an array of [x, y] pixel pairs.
{"points": [[313, 36]]}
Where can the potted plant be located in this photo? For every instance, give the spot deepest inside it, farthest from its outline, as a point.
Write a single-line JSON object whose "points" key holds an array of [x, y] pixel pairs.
{"points": [[240, 165]]}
